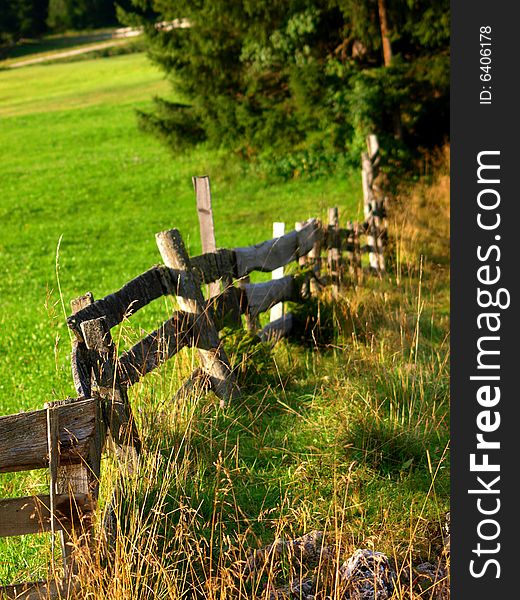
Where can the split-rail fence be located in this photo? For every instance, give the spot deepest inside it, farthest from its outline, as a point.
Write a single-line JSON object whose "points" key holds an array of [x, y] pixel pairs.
{"points": [[68, 437]]}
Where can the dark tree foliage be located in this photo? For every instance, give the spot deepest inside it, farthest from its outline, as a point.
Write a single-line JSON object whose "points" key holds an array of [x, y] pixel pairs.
{"points": [[31, 18], [301, 74], [22, 18], [81, 14]]}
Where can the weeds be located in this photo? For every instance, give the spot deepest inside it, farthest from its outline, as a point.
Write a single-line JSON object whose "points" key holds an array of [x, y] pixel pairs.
{"points": [[346, 434], [353, 444]]}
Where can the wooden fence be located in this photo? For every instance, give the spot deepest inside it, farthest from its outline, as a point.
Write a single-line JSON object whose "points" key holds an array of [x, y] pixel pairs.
{"points": [[68, 437]]}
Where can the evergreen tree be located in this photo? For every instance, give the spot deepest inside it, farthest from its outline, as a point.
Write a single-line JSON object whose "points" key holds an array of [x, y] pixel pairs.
{"points": [[22, 18], [81, 14], [299, 73]]}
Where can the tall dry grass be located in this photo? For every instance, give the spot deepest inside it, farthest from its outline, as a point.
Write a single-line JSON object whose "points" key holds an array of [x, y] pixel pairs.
{"points": [[351, 439]]}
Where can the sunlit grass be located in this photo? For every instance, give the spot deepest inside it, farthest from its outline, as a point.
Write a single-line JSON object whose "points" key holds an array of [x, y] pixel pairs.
{"points": [[350, 438]]}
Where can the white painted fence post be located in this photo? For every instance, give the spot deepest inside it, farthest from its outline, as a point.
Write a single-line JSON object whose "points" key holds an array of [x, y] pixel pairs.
{"points": [[277, 310]]}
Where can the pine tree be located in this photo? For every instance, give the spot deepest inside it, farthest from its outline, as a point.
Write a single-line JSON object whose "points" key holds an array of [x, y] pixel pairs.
{"points": [[22, 18], [81, 14], [298, 73]]}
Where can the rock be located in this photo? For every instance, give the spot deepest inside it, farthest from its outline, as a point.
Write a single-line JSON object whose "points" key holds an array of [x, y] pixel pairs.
{"points": [[435, 576], [433, 572], [367, 575], [446, 536], [301, 590], [306, 549]]}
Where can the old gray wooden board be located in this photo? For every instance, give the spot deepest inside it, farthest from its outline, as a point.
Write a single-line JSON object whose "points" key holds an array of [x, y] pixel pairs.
{"points": [[32, 514], [24, 436]]}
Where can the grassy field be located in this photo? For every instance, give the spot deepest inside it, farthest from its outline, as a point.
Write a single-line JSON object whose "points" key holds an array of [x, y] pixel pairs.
{"points": [[350, 438], [76, 166]]}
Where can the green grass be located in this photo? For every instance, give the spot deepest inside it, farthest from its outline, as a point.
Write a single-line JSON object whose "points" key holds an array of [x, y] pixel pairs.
{"points": [[350, 438], [87, 174], [116, 82]]}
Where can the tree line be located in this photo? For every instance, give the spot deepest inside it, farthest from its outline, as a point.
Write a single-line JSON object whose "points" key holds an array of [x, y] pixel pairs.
{"points": [[297, 84], [32, 18], [300, 80]]}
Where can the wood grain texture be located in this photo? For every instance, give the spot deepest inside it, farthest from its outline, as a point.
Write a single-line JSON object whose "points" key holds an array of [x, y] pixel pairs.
{"points": [[266, 256], [33, 514], [367, 179], [206, 224], [372, 146], [191, 300], [137, 293], [263, 296], [215, 265], [81, 478], [53, 452], [119, 415], [81, 369], [334, 249], [278, 252], [277, 329], [24, 437], [80, 358], [39, 590], [156, 348]]}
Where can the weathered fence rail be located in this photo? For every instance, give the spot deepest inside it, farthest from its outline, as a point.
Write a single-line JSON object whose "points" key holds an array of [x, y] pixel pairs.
{"points": [[68, 437]]}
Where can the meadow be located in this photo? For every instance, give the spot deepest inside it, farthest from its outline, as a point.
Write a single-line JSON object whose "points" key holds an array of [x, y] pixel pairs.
{"points": [[350, 437]]}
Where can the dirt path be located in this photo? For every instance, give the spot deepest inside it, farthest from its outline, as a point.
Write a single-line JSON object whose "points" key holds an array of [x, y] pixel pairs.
{"points": [[119, 38]]}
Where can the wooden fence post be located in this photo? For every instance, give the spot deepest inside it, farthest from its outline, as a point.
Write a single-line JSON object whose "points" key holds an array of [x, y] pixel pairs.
{"points": [[206, 224], [80, 478], [302, 260], [190, 298], [209, 244], [372, 146], [98, 340], [379, 239], [80, 357], [120, 421], [372, 235], [315, 260], [277, 310], [367, 178], [350, 251], [333, 252], [369, 162], [73, 480], [357, 253], [53, 451], [373, 205]]}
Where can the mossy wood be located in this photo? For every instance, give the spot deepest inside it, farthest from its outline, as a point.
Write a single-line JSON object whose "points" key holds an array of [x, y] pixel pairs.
{"points": [[135, 294], [157, 347]]}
